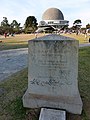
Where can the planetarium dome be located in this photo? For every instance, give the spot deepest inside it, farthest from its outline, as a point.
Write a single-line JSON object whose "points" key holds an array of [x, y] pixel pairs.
{"points": [[52, 14], [52, 19]]}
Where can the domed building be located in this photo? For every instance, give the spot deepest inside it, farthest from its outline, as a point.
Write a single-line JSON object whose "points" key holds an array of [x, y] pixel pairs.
{"points": [[53, 18], [53, 14]]}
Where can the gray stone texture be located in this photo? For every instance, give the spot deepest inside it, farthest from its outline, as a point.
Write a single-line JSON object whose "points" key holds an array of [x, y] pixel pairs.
{"points": [[52, 74], [52, 114]]}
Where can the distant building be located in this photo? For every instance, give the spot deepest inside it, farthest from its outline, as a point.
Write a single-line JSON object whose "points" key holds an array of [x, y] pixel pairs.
{"points": [[52, 18]]}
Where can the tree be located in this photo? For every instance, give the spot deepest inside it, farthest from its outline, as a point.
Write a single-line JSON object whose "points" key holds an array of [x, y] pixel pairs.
{"points": [[1, 31], [77, 25], [88, 26], [77, 22], [5, 22], [5, 25], [30, 24], [15, 26]]}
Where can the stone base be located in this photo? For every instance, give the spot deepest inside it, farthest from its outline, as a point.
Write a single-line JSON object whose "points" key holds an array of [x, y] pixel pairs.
{"points": [[70, 104]]}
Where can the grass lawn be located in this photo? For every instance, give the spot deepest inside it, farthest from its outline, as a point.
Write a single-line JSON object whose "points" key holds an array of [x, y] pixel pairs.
{"points": [[21, 41], [18, 41], [12, 90], [80, 37]]}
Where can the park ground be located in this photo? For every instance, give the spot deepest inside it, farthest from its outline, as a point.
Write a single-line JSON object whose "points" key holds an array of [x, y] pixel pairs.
{"points": [[14, 87], [21, 40], [18, 41]]}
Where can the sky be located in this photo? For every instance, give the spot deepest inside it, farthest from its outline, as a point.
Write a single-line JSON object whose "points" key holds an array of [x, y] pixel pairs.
{"points": [[20, 9]]}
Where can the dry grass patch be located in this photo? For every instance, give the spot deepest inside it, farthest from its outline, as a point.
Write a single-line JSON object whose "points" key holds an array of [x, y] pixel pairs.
{"points": [[21, 40], [80, 37], [18, 41]]}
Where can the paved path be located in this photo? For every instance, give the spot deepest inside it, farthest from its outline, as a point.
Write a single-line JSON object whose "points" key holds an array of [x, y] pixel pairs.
{"points": [[14, 60], [84, 45]]}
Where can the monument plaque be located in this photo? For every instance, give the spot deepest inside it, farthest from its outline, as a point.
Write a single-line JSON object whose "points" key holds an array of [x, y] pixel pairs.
{"points": [[52, 114], [52, 74]]}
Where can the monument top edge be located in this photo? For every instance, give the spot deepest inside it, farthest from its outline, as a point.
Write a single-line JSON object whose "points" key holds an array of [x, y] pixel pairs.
{"points": [[52, 37]]}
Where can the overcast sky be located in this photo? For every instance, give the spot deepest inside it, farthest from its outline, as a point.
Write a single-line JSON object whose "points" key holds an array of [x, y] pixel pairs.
{"points": [[20, 9]]}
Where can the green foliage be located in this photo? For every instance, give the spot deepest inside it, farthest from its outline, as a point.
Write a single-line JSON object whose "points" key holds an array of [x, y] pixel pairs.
{"points": [[15, 108], [5, 23], [77, 25], [30, 24], [84, 80], [78, 21], [11, 107], [88, 26], [15, 27], [5, 27]]}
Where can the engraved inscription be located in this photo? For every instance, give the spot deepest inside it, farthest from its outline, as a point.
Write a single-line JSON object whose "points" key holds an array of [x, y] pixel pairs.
{"points": [[55, 64], [43, 58], [51, 82]]}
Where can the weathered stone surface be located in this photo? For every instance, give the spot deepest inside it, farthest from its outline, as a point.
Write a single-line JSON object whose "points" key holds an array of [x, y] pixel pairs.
{"points": [[52, 114], [52, 74]]}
